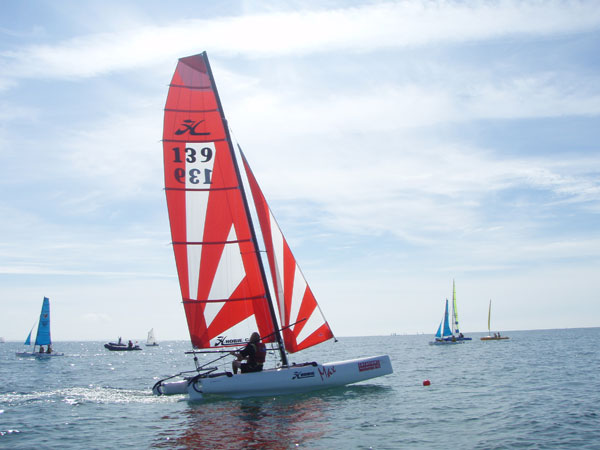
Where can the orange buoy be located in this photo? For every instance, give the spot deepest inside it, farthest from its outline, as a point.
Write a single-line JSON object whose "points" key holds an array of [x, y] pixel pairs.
{"points": [[426, 383]]}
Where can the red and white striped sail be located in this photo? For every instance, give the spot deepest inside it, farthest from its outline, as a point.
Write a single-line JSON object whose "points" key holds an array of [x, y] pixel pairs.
{"points": [[222, 287], [296, 302]]}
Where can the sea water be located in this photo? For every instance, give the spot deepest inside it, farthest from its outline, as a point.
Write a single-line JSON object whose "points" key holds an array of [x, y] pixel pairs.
{"points": [[539, 389]]}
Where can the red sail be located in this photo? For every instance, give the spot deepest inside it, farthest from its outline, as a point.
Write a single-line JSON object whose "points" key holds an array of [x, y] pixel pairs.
{"points": [[217, 260], [296, 302]]}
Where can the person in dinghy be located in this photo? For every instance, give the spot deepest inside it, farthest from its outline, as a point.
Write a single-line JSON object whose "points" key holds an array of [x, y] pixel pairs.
{"points": [[254, 353]]}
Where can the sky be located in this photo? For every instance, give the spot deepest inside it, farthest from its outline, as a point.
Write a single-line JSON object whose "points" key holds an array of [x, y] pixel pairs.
{"points": [[401, 146]]}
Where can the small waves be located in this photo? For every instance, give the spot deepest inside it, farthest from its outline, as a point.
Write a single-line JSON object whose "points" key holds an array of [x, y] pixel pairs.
{"points": [[75, 396], [537, 390]]}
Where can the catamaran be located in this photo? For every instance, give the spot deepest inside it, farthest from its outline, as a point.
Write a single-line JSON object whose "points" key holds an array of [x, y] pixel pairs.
{"points": [[42, 336], [444, 335], [455, 329], [495, 336], [222, 278]]}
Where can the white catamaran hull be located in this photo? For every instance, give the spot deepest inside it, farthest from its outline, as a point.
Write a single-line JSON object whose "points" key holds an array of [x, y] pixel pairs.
{"points": [[37, 354], [287, 380]]}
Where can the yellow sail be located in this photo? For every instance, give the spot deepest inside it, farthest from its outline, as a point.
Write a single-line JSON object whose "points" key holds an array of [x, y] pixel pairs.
{"points": [[454, 309]]}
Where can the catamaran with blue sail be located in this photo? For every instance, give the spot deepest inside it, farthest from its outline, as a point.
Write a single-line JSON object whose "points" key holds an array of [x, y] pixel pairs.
{"points": [[43, 337], [444, 334]]}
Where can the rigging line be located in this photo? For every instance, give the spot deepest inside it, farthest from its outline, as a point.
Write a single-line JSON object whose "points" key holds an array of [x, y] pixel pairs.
{"points": [[283, 328]]}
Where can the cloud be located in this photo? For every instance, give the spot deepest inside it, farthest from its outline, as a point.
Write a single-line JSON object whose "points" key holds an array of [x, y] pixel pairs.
{"points": [[363, 125], [355, 29], [120, 154]]}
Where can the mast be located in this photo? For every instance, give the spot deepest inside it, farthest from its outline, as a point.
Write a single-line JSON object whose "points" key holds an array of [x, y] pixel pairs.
{"points": [[277, 332]]}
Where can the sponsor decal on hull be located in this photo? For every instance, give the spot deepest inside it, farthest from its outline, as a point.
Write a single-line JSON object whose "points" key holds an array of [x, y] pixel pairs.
{"points": [[369, 365]]}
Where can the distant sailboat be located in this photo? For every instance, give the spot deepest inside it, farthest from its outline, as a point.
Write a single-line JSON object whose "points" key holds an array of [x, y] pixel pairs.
{"points": [[444, 334], [496, 336], [151, 341], [455, 328], [43, 335]]}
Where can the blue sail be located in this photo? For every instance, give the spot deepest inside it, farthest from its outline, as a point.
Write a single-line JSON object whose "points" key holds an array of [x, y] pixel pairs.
{"points": [[438, 334], [28, 340], [447, 331], [43, 331]]}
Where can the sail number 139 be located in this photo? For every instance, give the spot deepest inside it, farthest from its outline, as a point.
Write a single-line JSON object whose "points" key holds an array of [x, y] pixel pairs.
{"points": [[195, 175]]}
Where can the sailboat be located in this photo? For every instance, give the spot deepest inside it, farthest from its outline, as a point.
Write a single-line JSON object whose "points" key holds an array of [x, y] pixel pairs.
{"points": [[455, 329], [496, 336], [151, 340], [222, 277], [444, 335], [43, 335]]}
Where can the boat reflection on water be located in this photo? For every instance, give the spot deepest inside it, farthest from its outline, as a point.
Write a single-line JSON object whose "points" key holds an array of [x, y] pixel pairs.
{"points": [[271, 424]]}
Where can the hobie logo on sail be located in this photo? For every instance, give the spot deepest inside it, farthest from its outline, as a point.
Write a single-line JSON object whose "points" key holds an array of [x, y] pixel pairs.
{"points": [[222, 340], [189, 126]]}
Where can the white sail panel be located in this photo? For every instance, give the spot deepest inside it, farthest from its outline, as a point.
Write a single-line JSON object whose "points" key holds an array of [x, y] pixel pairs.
{"points": [[312, 324], [196, 204], [278, 242], [300, 286], [229, 275]]}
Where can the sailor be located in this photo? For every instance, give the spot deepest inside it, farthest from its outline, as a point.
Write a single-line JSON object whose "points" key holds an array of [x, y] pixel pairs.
{"points": [[41, 349], [254, 353], [129, 344], [49, 350]]}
